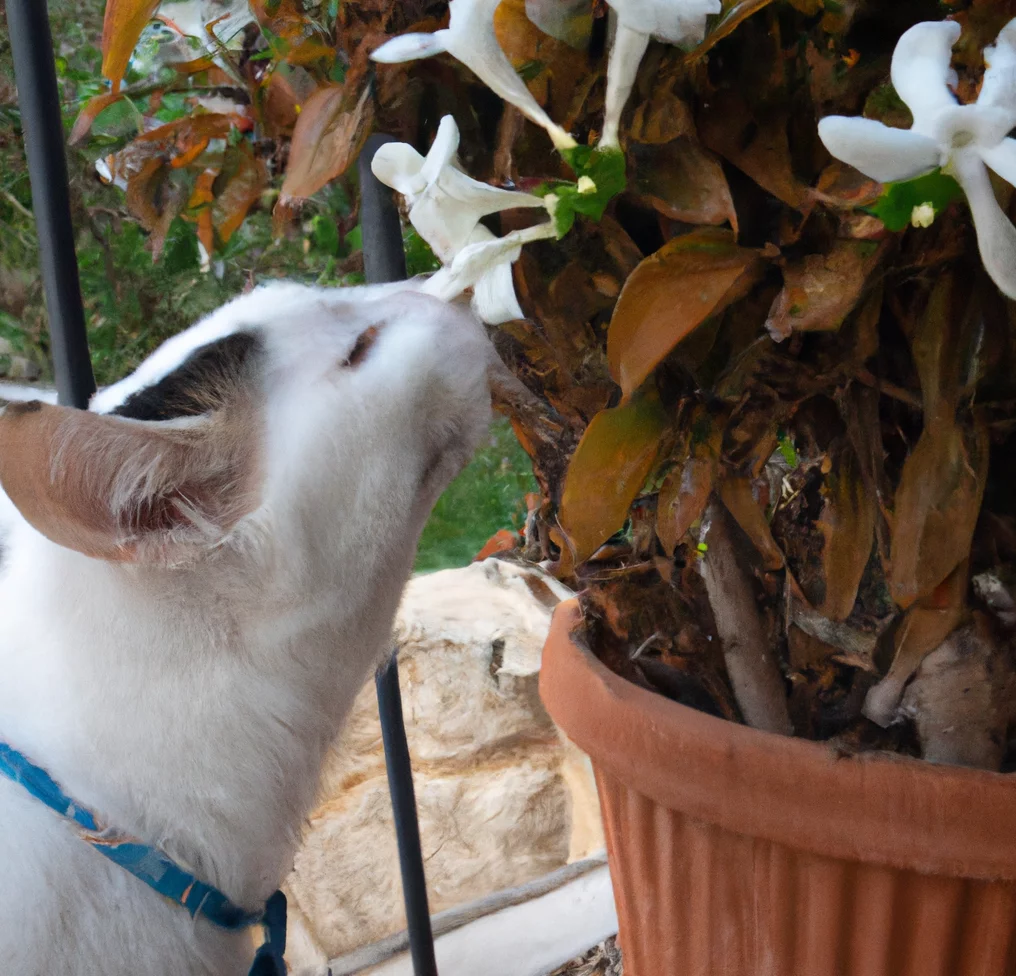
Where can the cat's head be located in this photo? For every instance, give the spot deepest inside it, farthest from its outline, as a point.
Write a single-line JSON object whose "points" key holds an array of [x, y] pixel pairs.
{"points": [[292, 418]]}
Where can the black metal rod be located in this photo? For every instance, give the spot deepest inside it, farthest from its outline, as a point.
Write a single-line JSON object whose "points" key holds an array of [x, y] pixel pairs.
{"points": [[42, 126], [407, 826], [384, 260]]}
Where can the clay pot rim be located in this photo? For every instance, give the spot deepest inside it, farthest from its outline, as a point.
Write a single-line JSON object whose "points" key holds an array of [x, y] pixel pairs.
{"points": [[900, 812]]}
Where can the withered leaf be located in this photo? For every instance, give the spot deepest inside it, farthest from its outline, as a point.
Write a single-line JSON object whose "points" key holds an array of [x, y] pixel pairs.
{"points": [[847, 524], [736, 494], [759, 147], [821, 290], [154, 201], [329, 134], [686, 489], [936, 506], [669, 294], [662, 118], [552, 68], [245, 185], [684, 182], [928, 622], [607, 471], [121, 27], [733, 14]]}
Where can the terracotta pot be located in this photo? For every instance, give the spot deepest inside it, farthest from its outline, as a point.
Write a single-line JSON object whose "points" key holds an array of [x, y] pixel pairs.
{"points": [[735, 852]]}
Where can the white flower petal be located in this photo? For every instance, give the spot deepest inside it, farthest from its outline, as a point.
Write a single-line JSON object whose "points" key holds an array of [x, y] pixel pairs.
{"points": [[880, 152], [472, 40], [921, 69], [444, 226], [442, 150], [1002, 159], [625, 57], [494, 299], [400, 166], [478, 259], [410, 47], [959, 126], [996, 236], [999, 87], [674, 21]]}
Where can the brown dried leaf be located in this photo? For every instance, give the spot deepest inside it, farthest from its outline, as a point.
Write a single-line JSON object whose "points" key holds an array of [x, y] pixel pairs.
{"points": [[847, 524], [121, 27], [284, 18], [936, 506], [280, 106], [685, 491], [241, 192], [734, 13], [928, 622], [684, 182], [821, 290], [607, 471], [200, 206], [143, 191], [759, 147], [671, 293], [661, 118], [736, 494], [331, 130], [554, 69], [154, 201]]}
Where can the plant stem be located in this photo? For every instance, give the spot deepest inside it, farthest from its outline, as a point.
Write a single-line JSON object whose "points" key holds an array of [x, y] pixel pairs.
{"points": [[751, 663]]}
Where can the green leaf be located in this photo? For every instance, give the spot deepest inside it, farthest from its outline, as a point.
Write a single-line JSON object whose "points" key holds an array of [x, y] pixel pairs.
{"points": [[788, 451], [530, 70], [354, 239], [181, 249], [324, 234], [896, 205], [419, 257], [601, 177]]}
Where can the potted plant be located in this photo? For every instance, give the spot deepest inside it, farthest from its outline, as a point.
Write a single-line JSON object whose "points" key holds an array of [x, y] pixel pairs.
{"points": [[761, 338]]}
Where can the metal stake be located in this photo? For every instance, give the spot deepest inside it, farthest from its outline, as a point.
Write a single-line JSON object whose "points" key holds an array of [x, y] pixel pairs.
{"points": [[384, 260], [41, 123]]}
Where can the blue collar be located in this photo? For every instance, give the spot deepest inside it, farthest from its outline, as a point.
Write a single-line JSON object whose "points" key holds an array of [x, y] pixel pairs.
{"points": [[155, 868]]}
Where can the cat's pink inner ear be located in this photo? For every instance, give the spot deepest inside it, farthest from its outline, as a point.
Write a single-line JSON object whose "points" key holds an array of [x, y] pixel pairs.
{"points": [[125, 490]]}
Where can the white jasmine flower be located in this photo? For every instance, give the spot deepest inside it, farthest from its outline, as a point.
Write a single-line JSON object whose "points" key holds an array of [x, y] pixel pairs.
{"points": [[679, 22], [485, 266], [586, 185], [923, 215], [965, 140], [470, 38], [445, 207]]}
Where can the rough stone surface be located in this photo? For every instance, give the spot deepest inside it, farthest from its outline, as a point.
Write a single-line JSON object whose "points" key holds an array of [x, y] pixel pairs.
{"points": [[502, 797]]}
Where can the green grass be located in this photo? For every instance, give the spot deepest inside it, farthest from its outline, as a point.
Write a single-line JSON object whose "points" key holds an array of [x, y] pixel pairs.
{"points": [[487, 496]]}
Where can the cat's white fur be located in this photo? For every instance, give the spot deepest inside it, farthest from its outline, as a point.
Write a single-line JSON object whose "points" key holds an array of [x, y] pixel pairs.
{"points": [[192, 705]]}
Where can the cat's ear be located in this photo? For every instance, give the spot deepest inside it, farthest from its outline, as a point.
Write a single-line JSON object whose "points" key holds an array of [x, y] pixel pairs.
{"points": [[130, 490]]}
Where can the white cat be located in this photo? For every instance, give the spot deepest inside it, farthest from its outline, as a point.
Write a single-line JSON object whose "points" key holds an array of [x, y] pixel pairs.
{"points": [[193, 592]]}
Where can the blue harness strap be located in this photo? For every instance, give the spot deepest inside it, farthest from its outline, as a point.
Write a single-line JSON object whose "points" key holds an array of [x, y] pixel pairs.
{"points": [[154, 868]]}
